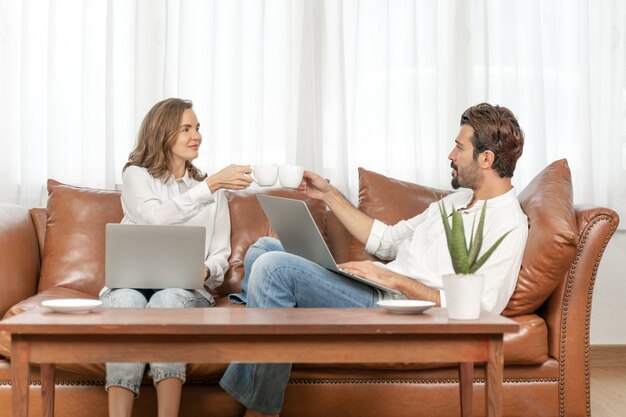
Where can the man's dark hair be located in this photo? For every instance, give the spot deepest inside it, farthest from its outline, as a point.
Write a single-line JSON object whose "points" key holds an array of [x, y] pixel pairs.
{"points": [[495, 129]]}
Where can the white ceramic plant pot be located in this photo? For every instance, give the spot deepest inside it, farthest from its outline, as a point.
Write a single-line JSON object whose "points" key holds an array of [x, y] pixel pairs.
{"points": [[463, 295]]}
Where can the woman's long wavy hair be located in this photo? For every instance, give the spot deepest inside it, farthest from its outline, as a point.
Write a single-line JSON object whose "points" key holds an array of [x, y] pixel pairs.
{"points": [[157, 135]]}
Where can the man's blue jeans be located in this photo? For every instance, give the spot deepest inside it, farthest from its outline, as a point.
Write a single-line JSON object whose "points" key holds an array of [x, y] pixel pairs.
{"points": [[275, 279]]}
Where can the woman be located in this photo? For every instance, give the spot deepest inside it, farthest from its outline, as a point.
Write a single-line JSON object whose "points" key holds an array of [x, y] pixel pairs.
{"points": [[162, 186]]}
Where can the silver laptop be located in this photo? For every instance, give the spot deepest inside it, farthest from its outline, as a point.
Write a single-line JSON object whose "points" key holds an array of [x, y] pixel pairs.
{"points": [[154, 256], [299, 235]]}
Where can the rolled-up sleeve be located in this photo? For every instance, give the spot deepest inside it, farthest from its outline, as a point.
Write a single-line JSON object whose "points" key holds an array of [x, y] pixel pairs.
{"points": [[383, 240], [376, 236]]}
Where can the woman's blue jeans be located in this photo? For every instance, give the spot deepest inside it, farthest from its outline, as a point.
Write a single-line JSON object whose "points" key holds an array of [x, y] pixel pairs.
{"points": [[129, 375], [275, 279]]}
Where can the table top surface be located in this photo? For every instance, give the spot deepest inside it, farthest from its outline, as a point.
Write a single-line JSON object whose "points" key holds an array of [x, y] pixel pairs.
{"points": [[224, 320]]}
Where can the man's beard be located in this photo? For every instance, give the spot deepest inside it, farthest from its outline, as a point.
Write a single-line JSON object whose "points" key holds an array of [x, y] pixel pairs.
{"points": [[455, 179], [472, 179]]}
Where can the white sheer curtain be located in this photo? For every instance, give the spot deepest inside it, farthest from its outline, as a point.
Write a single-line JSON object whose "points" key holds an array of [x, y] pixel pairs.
{"points": [[328, 84]]}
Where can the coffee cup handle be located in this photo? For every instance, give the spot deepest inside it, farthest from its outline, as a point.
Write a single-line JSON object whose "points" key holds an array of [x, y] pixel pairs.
{"points": [[253, 179]]}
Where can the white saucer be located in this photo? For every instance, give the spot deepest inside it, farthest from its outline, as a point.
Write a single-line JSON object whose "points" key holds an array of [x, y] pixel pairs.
{"points": [[71, 305], [405, 306]]}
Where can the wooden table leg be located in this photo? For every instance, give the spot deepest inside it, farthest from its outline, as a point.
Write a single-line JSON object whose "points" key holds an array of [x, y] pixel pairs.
{"points": [[493, 377], [47, 389], [20, 370], [466, 381]]}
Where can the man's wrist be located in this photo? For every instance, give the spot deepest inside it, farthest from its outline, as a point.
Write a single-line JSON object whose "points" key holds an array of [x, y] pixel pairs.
{"points": [[333, 198], [413, 289]]}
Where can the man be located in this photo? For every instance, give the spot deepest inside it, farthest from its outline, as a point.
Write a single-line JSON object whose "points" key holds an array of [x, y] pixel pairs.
{"points": [[483, 160]]}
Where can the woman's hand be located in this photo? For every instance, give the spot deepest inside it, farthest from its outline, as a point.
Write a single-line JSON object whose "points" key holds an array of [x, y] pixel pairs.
{"points": [[233, 177]]}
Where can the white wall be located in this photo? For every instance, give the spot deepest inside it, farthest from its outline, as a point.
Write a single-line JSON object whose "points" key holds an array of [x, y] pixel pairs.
{"points": [[608, 313]]}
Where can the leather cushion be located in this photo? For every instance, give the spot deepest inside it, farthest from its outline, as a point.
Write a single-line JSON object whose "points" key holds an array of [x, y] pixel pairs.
{"points": [[552, 237], [530, 344], [73, 255], [389, 200], [249, 223]]}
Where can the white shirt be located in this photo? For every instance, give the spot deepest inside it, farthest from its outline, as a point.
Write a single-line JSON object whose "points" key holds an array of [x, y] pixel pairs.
{"points": [[420, 250], [149, 200]]}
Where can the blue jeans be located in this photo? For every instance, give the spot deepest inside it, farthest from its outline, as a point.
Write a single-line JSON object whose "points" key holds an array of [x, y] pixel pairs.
{"points": [[129, 375], [275, 279]]}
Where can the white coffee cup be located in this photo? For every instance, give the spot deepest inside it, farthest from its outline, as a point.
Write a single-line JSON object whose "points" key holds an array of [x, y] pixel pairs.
{"points": [[265, 175], [290, 176]]}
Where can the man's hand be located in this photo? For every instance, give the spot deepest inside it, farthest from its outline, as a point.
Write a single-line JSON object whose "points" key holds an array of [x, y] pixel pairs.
{"points": [[315, 186], [206, 272], [371, 272], [409, 287], [358, 223]]}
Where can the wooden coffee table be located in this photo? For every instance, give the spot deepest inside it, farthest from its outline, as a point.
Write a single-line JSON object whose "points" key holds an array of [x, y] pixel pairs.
{"points": [[278, 335]]}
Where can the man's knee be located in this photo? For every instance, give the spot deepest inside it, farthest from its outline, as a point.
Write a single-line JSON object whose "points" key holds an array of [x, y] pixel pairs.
{"points": [[267, 244], [264, 270]]}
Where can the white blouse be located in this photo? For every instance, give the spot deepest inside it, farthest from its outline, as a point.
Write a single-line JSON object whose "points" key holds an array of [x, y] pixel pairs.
{"points": [[186, 201]]}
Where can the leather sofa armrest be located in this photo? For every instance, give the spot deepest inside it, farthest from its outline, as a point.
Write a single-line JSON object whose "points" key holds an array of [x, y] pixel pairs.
{"points": [[568, 310], [19, 256]]}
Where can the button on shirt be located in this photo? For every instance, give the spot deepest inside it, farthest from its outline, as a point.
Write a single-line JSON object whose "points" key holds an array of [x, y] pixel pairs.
{"points": [[419, 248], [185, 201]]}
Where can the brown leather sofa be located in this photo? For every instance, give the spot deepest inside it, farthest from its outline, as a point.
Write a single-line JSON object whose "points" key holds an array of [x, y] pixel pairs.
{"points": [[58, 252]]}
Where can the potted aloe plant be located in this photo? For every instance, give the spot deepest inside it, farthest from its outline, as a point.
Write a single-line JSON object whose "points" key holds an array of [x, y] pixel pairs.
{"points": [[464, 288]]}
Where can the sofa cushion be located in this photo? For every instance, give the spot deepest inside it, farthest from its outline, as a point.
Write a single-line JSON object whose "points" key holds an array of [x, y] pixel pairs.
{"points": [[249, 223], [530, 344], [552, 238], [389, 200], [73, 254]]}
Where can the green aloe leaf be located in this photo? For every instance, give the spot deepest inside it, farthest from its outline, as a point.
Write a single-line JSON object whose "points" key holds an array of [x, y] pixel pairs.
{"points": [[454, 248], [458, 244], [487, 254], [477, 239], [465, 259]]}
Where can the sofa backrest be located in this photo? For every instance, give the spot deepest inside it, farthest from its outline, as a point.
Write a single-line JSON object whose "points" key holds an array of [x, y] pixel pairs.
{"points": [[73, 238]]}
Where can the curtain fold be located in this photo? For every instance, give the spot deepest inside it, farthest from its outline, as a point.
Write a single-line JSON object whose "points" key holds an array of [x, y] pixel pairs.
{"points": [[328, 84]]}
